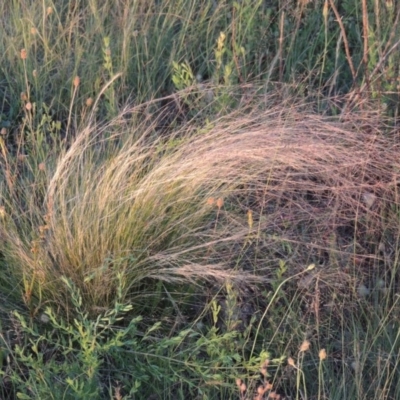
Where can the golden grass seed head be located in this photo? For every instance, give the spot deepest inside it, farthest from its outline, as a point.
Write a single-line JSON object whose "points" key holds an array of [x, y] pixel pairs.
{"points": [[89, 102], [28, 106]]}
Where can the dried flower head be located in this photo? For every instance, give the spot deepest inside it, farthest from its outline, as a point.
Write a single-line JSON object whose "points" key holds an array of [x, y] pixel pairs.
{"points": [[243, 387], [24, 54], [34, 73], [89, 102], [238, 382], [42, 166], [49, 11], [291, 362], [274, 395], [24, 97], [322, 354], [33, 30], [261, 390], [76, 81], [304, 346], [28, 106], [220, 202], [325, 10], [210, 201]]}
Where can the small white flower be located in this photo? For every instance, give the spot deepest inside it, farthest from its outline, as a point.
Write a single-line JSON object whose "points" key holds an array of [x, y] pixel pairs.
{"points": [[44, 318]]}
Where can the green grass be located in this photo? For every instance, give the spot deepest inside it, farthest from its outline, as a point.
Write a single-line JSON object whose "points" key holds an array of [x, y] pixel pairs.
{"points": [[199, 200]]}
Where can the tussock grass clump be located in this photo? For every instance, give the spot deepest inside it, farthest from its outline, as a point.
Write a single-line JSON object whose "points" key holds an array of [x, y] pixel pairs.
{"points": [[210, 203]]}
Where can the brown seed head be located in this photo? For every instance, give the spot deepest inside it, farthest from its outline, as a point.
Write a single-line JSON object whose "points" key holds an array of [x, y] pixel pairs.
{"points": [[28, 106], [220, 202], [304, 346], [24, 54], [210, 201], [325, 10], [76, 81], [291, 362], [261, 390], [322, 354], [89, 102]]}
